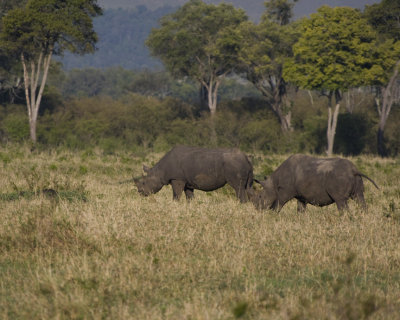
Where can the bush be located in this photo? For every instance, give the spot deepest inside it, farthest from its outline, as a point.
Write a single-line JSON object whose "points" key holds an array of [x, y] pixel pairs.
{"points": [[15, 125], [260, 135], [139, 122]]}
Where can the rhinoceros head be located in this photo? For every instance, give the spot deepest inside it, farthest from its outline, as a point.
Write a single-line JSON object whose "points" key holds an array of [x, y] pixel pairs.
{"points": [[149, 184], [265, 198]]}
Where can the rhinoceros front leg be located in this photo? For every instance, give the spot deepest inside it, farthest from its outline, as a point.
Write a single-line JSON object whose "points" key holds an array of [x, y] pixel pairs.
{"points": [[189, 192], [241, 193], [342, 205], [177, 188]]}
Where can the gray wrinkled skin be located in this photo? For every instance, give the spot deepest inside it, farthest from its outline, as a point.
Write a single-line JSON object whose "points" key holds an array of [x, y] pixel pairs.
{"points": [[188, 168], [310, 180]]}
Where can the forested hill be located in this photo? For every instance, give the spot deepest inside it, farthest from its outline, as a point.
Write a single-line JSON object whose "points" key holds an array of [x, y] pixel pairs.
{"points": [[126, 24], [122, 34]]}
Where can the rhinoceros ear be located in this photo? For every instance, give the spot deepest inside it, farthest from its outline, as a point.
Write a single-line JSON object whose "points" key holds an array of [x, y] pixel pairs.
{"points": [[263, 183], [146, 168]]}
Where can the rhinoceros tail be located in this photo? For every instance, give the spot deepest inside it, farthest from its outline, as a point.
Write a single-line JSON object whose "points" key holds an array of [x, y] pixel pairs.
{"points": [[366, 177], [250, 179]]}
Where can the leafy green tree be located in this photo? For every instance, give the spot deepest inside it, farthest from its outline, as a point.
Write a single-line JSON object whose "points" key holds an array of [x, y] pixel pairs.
{"points": [[10, 80], [199, 41], [335, 52], [385, 17], [38, 30], [280, 11], [7, 5], [262, 55]]}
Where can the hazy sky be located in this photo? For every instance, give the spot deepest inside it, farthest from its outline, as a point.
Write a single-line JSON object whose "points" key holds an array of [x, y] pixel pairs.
{"points": [[253, 7], [304, 7]]}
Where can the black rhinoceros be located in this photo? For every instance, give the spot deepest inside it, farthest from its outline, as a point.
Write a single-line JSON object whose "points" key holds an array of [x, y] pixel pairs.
{"points": [[187, 168], [311, 180]]}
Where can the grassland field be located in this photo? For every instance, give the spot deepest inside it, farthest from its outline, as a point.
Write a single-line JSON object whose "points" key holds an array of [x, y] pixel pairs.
{"points": [[98, 250]]}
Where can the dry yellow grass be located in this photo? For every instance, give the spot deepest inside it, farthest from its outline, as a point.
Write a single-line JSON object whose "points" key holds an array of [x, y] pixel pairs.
{"points": [[100, 251]]}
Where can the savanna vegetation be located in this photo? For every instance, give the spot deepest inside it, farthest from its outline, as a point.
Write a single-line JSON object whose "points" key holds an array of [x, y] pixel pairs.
{"points": [[95, 249], [75, 243], [116, 108]]}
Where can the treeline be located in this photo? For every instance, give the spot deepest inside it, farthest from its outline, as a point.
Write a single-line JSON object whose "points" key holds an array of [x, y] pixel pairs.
{"points": [[275, 86], [115, 108]]}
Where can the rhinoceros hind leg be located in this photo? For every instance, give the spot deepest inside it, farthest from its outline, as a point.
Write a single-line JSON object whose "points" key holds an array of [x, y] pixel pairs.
{"points": [[189, 192], [240, 190], [301, 206], [359, 197]]}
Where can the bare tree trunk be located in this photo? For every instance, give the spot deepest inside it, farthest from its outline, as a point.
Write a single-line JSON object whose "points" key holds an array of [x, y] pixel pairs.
{"points": [[288, 121], [212, 105], [277, 94], [311, 97], [331, 130], [37, 73], [332, 122], [390, 95], [212, 95], [203, 96], [284, 119], [382, 151]]}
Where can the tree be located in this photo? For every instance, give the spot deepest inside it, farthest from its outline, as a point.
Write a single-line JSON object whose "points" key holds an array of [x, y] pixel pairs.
{"points": [[384, 17], [199, 41], [280, 11], [40, 29], [10, 79], [7, 5], [335, 52], [262, 55]]}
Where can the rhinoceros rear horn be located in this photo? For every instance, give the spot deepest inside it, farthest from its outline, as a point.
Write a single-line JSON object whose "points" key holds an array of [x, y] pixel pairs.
{"points": [[146, 168]]}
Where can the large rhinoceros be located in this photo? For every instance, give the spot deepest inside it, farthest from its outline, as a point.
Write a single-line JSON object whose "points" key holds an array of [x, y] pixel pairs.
{"points": [[311, 180], [187, 168]]}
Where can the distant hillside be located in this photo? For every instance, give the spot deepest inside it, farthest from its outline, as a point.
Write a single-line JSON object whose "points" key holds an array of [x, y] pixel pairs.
{"points": [[126, 24], [122, 35]]}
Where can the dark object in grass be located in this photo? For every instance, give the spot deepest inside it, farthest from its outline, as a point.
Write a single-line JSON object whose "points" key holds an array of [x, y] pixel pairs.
{"points": [[70, 195], [51, 193]]}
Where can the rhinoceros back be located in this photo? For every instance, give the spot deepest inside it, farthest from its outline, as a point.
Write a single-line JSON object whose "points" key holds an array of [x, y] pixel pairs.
{"points": [[205, 169]]}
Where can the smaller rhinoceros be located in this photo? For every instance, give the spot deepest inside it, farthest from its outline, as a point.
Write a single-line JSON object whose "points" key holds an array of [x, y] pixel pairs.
{"points": [[311, 180], [187, 168]]}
